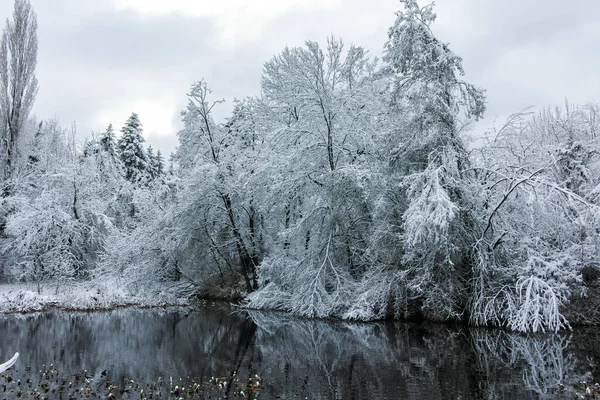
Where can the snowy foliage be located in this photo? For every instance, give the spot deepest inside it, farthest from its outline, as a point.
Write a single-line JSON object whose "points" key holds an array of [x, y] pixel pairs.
{"points": [[322, 113], [18, 83], [538, 181], [131, 150], [345, 190], [55, 216]]}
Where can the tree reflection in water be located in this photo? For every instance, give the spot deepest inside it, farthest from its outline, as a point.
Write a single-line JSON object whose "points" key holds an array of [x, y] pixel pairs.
{"points": [[303, 358]]}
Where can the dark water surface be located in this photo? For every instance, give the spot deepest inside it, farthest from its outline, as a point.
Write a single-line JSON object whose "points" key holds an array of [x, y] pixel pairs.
{"points": [[301, 359]]}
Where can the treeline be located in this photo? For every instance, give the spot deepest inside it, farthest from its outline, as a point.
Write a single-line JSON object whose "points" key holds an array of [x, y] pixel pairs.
{"points": [[345, 190]]}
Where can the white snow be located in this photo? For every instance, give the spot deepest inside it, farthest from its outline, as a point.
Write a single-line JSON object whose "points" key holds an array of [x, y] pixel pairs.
{"points": [[84, 296]]}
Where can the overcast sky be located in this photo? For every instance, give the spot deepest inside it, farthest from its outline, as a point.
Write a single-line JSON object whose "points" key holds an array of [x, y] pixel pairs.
{"points": [[100, 60]]}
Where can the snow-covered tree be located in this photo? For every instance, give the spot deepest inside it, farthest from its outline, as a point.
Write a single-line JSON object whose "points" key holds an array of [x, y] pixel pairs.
{"points": [[430, 163], [320, 114], [107, 160], [108, 140], [155, 163], [203, 229], [56, 214], [202, 153], [197, 138], [539, 177], [18, 83], [131, 150], [159, 163], [152, 170]]}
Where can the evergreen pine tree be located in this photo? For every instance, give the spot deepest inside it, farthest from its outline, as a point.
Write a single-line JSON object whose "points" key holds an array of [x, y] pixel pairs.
{"points": [[108, 140], [131, 150], [151, 161], [159, 163]]}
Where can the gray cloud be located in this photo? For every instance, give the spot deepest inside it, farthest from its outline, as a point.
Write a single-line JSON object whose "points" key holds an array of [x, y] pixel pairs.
{"points": [[96, 59], [98, 64], [525, 52]]}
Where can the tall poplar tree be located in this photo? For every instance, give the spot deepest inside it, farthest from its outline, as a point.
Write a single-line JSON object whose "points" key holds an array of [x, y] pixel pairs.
{"points": [[18, 83]]}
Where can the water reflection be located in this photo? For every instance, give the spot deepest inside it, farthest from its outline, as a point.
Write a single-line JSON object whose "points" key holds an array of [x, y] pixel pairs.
{"points": [[301, 359]]}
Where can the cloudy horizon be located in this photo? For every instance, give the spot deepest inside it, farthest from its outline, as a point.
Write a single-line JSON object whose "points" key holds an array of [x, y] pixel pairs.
{"points": [[99, 61]]}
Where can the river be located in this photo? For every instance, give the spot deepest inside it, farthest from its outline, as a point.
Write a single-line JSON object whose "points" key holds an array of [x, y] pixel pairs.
{"points": [[295, 358]]}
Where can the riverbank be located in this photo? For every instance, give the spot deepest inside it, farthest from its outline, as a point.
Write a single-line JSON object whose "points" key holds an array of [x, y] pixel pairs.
{"points": [[94, 295]]}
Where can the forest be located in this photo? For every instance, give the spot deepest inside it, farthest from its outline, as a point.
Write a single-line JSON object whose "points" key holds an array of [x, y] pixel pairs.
{"points": [[348, 188]]}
